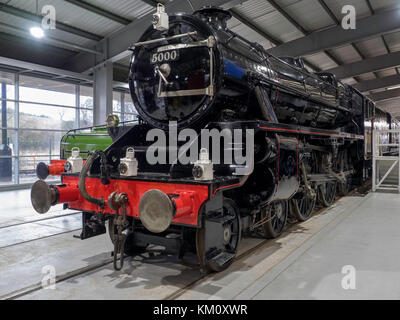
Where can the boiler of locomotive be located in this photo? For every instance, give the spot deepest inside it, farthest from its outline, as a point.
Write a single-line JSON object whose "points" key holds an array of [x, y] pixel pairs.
{"points": [[174, 74]]}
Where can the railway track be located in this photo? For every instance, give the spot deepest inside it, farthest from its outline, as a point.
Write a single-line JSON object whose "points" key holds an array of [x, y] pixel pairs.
{"points": [[48, 230], [20, 293], [238, 258], [38, 286], [82, 271], [39, 220]]}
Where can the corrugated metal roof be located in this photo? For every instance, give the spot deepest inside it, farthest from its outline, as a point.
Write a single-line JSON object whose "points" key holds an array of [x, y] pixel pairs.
{"points": [[372, 47], [279, 27], [392, 106], [349, 81], [308, 13], [73, 15], [261, 13], [378, 90], [233, 22], [386, 73], [321, 60], [128, 9], [393, 41], [251, 35], [366, 76], [347, 54], [361, 7], [25, 25], [384, 4], [255, 8]]}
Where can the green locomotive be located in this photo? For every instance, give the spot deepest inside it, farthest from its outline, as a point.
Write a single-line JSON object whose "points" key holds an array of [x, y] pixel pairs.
{"points": [[85, 140]]}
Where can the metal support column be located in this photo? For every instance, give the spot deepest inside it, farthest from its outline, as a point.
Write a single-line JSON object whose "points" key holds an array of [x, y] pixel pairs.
{"points": [[103, 84], [122, 107], [77, 106], [4, 137], [374, 161], [16, 126]]}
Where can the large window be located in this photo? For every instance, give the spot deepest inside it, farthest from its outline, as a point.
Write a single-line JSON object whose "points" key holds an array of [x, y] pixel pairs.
{"points": [[9, 137], [130, 112], [123, 106], [35, 114], [85, 107]]}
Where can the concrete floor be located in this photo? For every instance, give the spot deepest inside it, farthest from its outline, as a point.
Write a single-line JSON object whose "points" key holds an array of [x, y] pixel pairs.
{"points": [[20, 223], [16, 208], [365, 236], [306, 262]]}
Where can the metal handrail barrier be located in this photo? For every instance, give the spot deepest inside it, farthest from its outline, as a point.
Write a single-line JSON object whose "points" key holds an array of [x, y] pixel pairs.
{"points": [[383, 141]]}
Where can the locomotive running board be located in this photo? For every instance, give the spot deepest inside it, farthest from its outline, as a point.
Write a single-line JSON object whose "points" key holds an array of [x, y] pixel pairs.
{"points": [[279, 127]]}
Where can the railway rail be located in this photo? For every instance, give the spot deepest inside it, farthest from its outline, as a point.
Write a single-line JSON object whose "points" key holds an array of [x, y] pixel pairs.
{"points": [[39, 220], [48, 230], [86, 270], [23, 292]]}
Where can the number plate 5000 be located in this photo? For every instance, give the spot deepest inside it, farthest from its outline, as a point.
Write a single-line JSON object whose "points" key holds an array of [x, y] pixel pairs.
{"points": [[164, 56]]}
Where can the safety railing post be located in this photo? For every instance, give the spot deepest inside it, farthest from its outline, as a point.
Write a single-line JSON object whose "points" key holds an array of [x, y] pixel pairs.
{"points": [[398, 181], [385, 141], [373, 161]]}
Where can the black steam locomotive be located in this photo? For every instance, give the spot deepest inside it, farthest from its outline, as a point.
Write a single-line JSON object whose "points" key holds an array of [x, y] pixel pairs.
{"points": [[311, 137]]}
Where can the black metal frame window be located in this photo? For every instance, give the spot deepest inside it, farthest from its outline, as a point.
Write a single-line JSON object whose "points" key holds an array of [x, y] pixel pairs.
{"points": [[123, 106], [35, 114]]}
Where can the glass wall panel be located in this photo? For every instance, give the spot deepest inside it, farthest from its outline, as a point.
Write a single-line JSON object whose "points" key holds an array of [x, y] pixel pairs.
{"points": [[7, 174], [9, 111], [27, 168], [7, 79], [86, 97], [86, 118], [130, 117], [7, 136], [116, 101], [8, 142], [47, 110], [130, 112], [129, 106], [38, 143], [35, 116], [46, 91]]}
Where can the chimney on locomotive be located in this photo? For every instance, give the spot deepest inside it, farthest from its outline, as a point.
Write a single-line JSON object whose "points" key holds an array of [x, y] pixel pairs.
{"points": [[214, 15]]}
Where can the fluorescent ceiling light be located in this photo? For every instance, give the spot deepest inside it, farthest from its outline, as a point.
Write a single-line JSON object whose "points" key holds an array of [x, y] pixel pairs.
{"points": [[37, 32]]}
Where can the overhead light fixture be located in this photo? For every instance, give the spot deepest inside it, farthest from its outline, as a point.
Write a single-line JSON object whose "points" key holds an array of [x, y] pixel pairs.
{"points": [[37, 32]]}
